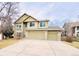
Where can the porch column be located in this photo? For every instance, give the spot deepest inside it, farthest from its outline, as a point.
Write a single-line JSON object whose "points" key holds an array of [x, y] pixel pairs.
{"points": [[22, 30], [26, 34]]}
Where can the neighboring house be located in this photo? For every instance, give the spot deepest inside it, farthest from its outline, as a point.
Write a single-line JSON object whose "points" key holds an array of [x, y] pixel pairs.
{"points": [[30, 28], [1, 36], [71, 29]]}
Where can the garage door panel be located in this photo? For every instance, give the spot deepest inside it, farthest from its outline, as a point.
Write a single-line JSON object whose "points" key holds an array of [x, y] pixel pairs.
{"points": [[36, 34], [52, 35]]}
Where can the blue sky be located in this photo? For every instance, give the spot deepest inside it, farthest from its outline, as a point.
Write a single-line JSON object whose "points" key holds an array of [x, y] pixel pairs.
{"points": [[57, 12]]}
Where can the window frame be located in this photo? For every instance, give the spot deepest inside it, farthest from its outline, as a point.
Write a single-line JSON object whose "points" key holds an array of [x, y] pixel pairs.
{"points": [[77, 27], [18, 26], [42, 24], [32, 24]]}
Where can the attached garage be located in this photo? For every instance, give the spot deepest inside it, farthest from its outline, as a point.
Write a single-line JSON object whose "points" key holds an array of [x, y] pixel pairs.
{"points": [[33, 34], [43, 34]]}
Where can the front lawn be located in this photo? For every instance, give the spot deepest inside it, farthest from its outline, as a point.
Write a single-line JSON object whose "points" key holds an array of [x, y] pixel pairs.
{"points": [[7, 42], [73, 41], [74, 44]]}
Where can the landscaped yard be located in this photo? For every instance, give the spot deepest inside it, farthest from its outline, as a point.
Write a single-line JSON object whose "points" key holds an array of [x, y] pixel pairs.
{"points": [[74, 44], [7, 42], [71, 41]]}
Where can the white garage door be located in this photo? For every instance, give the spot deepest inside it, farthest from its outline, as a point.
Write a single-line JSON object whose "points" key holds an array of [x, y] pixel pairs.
{"points": [[36, 34]]}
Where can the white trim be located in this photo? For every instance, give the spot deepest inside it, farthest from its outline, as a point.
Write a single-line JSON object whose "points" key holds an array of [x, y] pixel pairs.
{"points": [[59, 36], [46, 35]]}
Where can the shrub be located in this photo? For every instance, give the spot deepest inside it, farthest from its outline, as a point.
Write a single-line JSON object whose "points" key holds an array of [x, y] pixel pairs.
{"points": [[69, 39], [77, 39], [63, 38], [8, 33], [11, 36]]}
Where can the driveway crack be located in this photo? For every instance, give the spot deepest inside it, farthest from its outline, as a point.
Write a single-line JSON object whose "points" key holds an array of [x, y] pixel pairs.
{"points": [[53, 51]]}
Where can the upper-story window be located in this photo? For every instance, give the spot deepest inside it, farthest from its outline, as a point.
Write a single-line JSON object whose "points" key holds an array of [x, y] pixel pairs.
{"points": [[42, 24], [32, 24]]}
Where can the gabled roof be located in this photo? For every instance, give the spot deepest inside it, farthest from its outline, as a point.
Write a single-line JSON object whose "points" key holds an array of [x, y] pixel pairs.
{"points": [[32, 18], [20, 17], [55, 28], [25, 18]]}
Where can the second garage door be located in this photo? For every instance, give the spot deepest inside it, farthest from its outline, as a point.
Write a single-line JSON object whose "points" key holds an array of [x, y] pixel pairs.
{"points": [[36, 34], [52, 35]]}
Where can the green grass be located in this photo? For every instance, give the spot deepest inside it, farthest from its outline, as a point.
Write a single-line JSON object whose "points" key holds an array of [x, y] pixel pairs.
{"points": [[7, 42]]}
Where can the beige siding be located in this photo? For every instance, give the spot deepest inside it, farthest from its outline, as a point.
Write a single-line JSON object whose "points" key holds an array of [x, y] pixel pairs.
{"points": [[16, 30], [29, 19], [22, 19], [35, 34], [52, 35], [36, 24], [59, 35], [46, 24], [26, 34]]}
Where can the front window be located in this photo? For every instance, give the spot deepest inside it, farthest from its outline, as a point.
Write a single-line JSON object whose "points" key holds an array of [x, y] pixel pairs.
{"points": [[25, 24], [18, 27], [77, 34], [78, 28], [42, 24], [32, 24]]}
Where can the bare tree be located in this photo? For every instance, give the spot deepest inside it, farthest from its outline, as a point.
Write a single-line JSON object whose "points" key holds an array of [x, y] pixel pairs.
{"points": [[8, 12]]}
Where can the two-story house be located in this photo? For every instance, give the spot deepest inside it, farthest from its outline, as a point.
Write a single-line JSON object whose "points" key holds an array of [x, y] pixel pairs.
{"points": [[71, 29], [30, 28]]}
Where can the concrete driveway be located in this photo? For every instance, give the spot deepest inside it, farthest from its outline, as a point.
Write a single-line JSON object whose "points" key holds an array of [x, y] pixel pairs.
{"points": [[39, 48]]}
